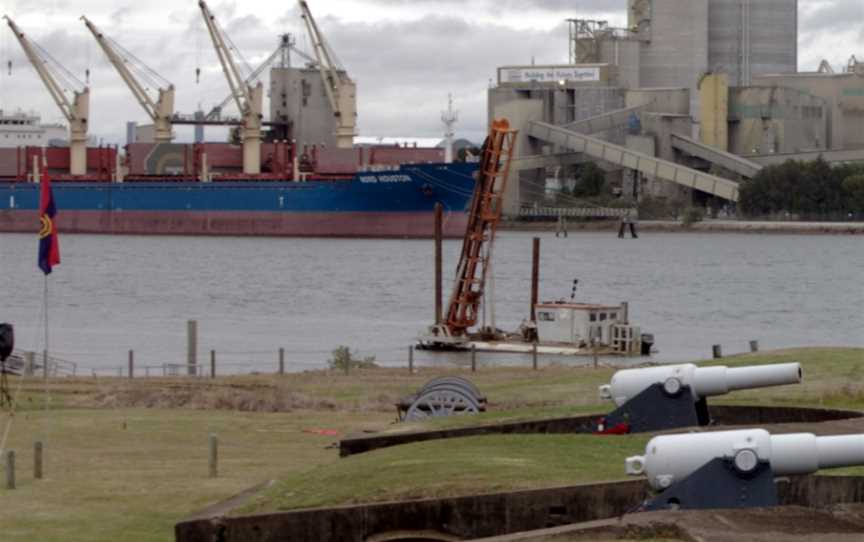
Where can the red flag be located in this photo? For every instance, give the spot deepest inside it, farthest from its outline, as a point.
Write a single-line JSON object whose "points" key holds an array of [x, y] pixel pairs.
{"points": [[49, 243]]}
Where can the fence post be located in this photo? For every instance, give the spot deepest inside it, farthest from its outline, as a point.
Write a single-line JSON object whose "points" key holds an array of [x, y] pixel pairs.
{"points": [[10, 469], [213, 456], [754, 346], [473, 358], [30, 357], [192, 346], [534, 356], [37, 460], [717, 350], [131, 364], [45, 364], [281, 361], [411, 359]]}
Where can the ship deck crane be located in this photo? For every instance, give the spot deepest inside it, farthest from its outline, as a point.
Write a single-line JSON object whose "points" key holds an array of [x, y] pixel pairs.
{"points": [[483, 219], [161, 110], [248, 97], [76, 111], [341, 90]]}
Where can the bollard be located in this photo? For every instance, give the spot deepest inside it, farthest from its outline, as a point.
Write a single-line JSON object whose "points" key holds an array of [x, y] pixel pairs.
{"points": [[717, 351], [213, 456], [534, 356], [281, 361], [212, 364], [37, 460], [473, 358], [754, 346], [10, 469], [131, 364], [411, 360]]}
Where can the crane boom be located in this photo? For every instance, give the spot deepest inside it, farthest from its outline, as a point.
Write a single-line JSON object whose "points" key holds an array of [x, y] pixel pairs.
{"points": [[239, 89], [341, 91], [160, 111], [76, 112], [249, 99], [483, 219]]}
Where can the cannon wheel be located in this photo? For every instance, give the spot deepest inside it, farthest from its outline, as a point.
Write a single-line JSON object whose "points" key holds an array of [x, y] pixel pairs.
{"points": [[466, 385], [442, 401]]}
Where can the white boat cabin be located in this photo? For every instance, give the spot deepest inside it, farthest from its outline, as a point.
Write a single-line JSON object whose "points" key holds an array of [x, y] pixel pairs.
{"points": [[580, 323]]}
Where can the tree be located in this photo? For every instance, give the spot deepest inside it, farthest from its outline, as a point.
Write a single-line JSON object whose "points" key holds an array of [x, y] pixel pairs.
{"points": [[853, 188], [590, 181]]}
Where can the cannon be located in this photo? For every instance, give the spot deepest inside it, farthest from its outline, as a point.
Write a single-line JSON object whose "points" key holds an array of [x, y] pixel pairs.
{"points": [[442, 396], [734, 469], [673, 396]]}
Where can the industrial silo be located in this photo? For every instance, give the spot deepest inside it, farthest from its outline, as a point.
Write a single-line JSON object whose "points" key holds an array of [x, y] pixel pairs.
{"points": [[674, 36], [748, 38]]}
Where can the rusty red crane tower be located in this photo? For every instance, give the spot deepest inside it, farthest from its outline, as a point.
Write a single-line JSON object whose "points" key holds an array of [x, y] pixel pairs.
{"points": [[483, 219]]}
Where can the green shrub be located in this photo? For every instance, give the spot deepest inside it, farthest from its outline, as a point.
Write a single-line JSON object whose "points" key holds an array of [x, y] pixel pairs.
{"points": [[343, 357]]}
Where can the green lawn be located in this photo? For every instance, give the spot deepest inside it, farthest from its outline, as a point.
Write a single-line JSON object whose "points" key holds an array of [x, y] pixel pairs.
{"points": [[126, 461]]}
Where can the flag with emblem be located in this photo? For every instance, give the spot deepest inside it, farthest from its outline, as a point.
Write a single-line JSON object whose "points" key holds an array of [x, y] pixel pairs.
{"points": [[49, 244]]}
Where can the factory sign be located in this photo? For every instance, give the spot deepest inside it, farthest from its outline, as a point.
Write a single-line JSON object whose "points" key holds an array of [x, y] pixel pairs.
{"points": [[548, 74]]}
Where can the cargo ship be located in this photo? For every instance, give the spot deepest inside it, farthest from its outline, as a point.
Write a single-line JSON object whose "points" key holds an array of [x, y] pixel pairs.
{"points": [[297, 174], [371, 192]]}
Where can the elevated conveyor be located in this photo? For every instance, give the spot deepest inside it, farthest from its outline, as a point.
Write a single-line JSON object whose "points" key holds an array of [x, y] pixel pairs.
{"points": [[727, 160], [605, 122], [621, 156]]}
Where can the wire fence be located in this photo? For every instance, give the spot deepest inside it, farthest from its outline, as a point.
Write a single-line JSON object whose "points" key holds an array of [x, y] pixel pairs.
{"points": [[280, 361]]}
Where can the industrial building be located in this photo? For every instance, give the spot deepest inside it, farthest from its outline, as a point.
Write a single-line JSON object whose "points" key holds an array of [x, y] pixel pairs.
{"points": [[684, 103]]}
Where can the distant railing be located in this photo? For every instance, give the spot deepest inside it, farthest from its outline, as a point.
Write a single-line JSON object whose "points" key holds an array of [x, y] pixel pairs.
{"points": [[576, 212]]}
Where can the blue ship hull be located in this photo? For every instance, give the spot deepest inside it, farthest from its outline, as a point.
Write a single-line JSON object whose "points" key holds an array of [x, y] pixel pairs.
{"points": [[393, 203]]}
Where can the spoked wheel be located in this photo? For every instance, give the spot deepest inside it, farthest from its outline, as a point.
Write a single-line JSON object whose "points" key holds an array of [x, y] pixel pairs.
{"points": [[441, 401]]}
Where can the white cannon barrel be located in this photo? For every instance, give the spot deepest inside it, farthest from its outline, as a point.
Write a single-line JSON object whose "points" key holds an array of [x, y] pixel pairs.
{"points": [[671, 458], [704, 381]]}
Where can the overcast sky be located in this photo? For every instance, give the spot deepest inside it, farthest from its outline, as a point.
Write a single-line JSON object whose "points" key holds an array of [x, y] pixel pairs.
{"points": [[405, 55]]}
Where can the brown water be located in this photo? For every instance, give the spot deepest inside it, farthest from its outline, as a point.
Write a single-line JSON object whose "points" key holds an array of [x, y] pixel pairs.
{"points": [[254, 295]]}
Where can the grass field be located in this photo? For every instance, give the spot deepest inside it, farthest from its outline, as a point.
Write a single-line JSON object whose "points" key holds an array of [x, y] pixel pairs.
{"points": [[128, 460]]}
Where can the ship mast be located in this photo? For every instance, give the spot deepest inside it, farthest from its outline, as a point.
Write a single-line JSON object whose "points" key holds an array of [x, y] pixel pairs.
{"points": [[449, 118], [76, 111]]}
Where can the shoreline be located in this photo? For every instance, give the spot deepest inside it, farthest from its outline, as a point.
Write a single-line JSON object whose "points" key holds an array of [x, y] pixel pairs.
{"points": [[707, 226]]}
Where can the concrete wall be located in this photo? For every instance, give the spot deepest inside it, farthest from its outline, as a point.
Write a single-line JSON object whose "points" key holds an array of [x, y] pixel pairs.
{"points": [[624, 56], [844, 95], [771, 120], [672, 101], [714, 117], [297, 95], [748, 38]]}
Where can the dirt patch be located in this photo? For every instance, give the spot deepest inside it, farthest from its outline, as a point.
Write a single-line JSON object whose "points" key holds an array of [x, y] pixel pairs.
{"points": [[252, 398]]}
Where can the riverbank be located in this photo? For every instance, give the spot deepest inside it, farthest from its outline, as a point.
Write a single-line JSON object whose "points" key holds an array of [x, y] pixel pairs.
{"points": [[706, 226]]}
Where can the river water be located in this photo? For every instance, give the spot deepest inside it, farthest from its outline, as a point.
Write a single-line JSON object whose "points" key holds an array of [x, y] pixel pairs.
{"points": [[252, 296]]}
